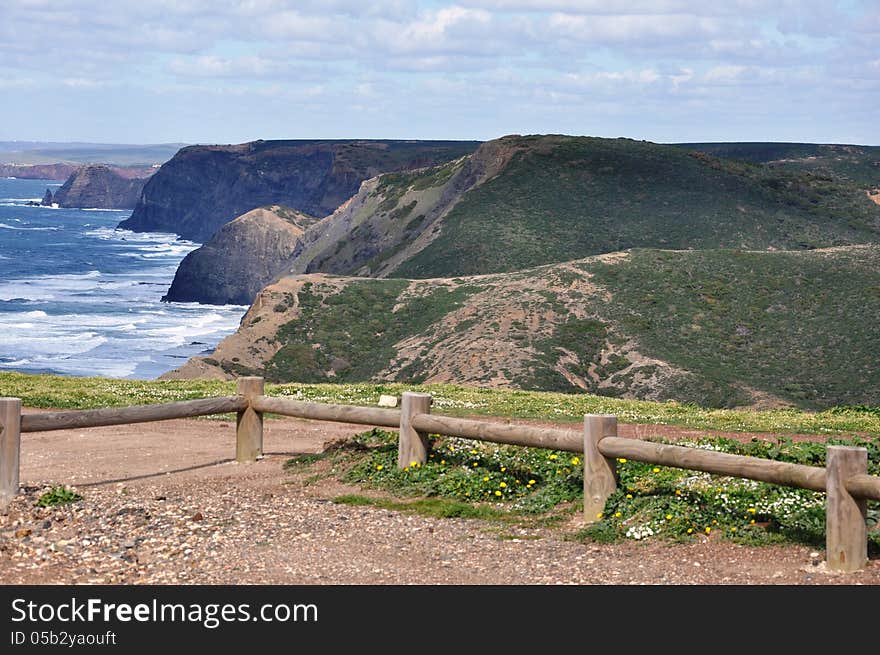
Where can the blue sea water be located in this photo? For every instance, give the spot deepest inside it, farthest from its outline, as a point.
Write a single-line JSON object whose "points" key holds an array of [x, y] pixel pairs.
{"points": [[79, 297]]}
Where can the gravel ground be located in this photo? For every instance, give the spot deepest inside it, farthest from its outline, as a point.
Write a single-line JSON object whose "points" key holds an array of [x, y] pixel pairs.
{"points": [[144, 520]]}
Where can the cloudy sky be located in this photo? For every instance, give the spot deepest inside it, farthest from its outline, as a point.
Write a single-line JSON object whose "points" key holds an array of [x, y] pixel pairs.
{"points": [[218, 71]]}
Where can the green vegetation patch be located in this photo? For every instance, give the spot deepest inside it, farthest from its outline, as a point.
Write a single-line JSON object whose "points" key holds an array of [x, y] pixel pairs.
{"points": [[467, 478], [564, 198], [58, 495], [54, 391], [801, 326], [585, 338], [349, 334]]}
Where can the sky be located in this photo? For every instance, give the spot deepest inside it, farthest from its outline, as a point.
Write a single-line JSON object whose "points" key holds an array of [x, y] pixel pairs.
{"points": [[215, 71]]}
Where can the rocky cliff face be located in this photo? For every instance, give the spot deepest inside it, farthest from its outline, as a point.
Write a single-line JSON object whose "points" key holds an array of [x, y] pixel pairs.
{"points": [[204, 187], [97, 186], [240, 259]]}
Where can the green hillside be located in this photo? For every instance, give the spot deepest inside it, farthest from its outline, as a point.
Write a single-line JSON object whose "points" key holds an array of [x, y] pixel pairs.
{"points": [[719, 328], [853, 163], [562, 198], [800, 326]]}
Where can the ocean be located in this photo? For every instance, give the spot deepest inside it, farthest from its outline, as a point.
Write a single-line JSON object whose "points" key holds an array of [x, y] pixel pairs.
{"points": [[80, 298]]}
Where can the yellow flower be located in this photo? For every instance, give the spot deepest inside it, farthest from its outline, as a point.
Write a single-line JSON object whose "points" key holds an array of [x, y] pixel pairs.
{"points": [[442, 461], [575, 461], [516, 481], [552, 457], [503, 469], [629, 495], [486, 479], [752, 522], [690, 530], [379, 467], [669, 517], [656, 470], [476, 463], [678, 492], [733, 529], [473, 452], [502, 485], [531, 482], [406, 469], [622, 460], [617, 514], [708, 529], [752, 510], [599, 515], [414, 463], [497, 493]]}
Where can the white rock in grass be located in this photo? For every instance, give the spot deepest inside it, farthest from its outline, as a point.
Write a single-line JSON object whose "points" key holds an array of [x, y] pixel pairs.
{"points": [[387, 401]]}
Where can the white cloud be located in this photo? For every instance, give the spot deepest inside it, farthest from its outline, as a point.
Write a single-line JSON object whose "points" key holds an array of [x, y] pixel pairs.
{"points": [[725, 74], [449, 30], [605, 29], [474, 58], [211, 66], [82, 83]]}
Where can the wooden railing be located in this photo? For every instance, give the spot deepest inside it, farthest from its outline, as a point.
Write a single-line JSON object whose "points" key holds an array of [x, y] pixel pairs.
{"points": [[844, 479]]}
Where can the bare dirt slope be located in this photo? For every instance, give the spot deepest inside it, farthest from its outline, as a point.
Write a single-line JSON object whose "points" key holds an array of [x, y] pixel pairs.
{"points": [[165, 503]]}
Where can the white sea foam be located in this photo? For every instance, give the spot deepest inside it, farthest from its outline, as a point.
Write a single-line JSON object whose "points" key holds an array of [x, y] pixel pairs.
{"points": [[49, 287], [98, 323], [6, 226], [74, 343]]}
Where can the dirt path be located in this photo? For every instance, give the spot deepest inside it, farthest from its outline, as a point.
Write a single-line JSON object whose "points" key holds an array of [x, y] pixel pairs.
{"points": [[165, 503]]}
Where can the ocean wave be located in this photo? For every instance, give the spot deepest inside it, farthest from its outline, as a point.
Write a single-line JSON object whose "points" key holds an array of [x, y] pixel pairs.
{"points": [[46, 344], [109, 368], [6, 226], [48, 287], [121, 234]]}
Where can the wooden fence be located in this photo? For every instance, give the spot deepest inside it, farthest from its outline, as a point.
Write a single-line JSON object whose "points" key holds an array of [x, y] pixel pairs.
{"points": [[844, 479]]}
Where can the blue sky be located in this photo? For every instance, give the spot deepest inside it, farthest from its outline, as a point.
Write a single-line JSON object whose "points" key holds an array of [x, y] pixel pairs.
{"points": [[211, 71]]}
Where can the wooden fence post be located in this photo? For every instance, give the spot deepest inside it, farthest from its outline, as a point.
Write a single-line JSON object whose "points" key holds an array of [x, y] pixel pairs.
{"points": [[412, 446], [846, 531], [600, 472], [10, 448], [249, 422]]}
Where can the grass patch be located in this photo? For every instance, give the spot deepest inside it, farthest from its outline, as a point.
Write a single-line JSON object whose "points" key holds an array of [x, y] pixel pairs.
{"points": [[801, 326], [54, 391], [355, 328], [58, 495], [467, 478]]}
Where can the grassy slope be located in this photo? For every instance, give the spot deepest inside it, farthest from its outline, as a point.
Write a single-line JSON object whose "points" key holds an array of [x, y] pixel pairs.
{"points": [[859, 164], [718, 328], [569, 197], [51, 391], [801, 326]]}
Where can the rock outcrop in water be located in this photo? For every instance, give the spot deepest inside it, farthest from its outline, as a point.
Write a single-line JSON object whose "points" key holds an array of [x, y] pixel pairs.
{"points": [[97, 186], [240, 259], [204, 187]]}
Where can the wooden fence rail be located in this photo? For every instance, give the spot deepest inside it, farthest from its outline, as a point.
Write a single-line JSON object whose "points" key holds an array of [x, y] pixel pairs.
{"points": [[844, 479]]}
